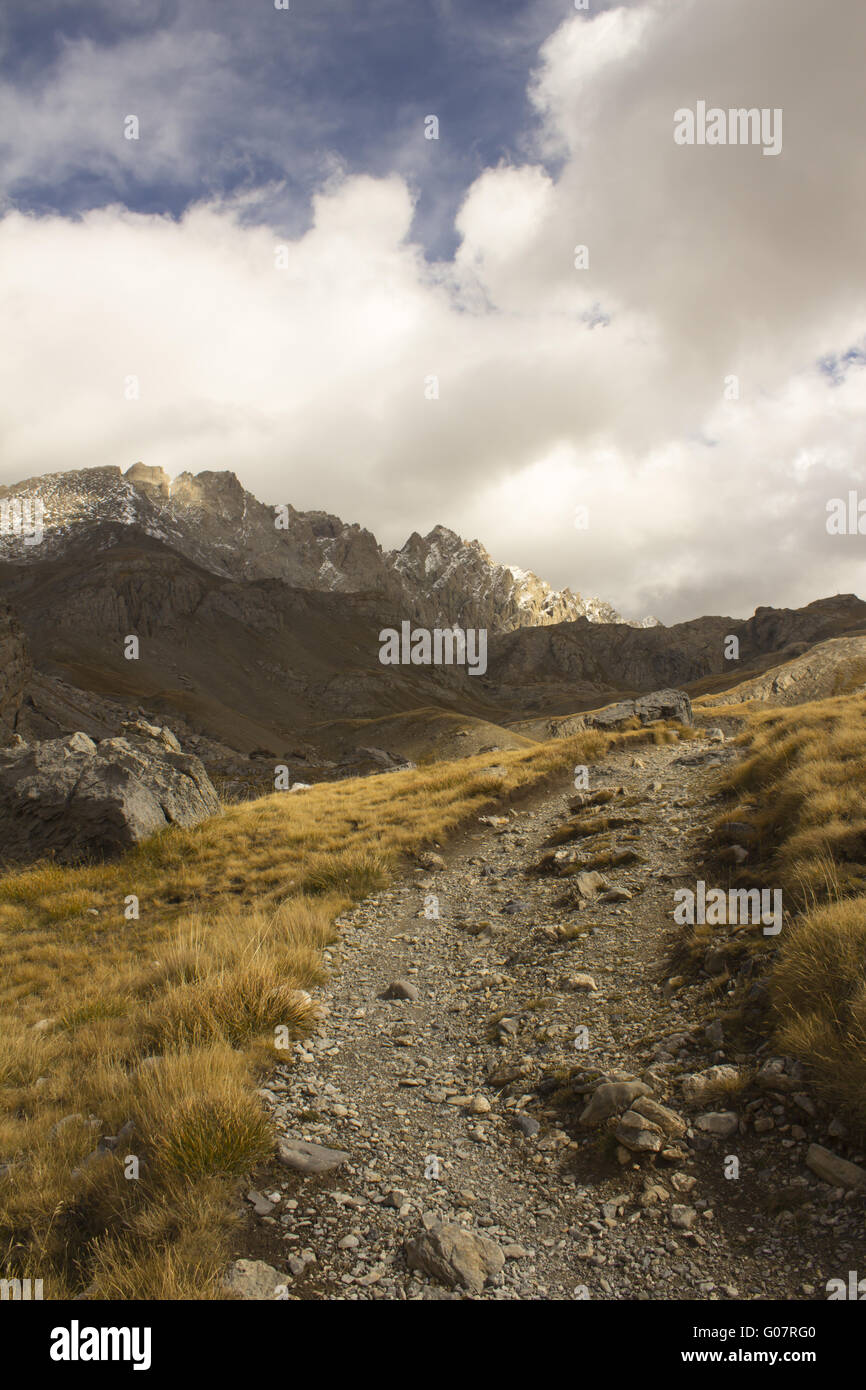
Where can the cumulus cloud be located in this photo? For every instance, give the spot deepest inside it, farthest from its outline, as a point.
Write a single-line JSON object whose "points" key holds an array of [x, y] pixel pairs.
{"points": [[310, 372]]}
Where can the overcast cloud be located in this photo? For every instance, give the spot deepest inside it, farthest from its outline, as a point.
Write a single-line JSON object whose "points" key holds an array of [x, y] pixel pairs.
{"points": [[405, 259]]}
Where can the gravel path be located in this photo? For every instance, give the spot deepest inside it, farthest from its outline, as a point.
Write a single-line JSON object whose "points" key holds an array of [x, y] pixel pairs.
{"points": [[468, 1172]]}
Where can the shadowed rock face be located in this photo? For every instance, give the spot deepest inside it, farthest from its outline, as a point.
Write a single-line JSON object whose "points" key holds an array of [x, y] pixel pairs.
{"points": [[77, 800], [15, 670]]}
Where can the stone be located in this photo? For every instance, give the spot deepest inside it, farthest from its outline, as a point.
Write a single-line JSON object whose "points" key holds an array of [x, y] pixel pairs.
{"points": [[661, 704], [610, 1098], [254, 1279], [307, 1158], [589, 883], [638, 1134], [580, 984], [76, 799], [616, 895], [456, 1256], [260, 1204], [682, 1217], [722, 1123], [671, 1124], [526, 1124], [401, 989], [430, 861], [713, 1081], [836, 1171]]}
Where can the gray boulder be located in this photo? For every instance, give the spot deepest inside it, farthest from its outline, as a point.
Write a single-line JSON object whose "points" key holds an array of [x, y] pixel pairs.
{"points": [[76, 799], [661, 704], [455, 1256]]}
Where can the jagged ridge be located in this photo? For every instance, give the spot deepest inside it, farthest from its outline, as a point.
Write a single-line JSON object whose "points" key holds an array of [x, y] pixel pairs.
{"points": [[210, 518]]}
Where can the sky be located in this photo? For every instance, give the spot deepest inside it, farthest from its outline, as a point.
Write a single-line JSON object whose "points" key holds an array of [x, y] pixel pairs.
{"points": [[284, 276]]}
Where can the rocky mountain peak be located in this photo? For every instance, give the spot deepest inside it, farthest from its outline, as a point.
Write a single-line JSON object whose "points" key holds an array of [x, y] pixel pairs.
{"points": [[439, 579]]}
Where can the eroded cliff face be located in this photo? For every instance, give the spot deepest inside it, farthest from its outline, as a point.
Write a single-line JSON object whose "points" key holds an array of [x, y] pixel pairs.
{"points": [[15, 670]]}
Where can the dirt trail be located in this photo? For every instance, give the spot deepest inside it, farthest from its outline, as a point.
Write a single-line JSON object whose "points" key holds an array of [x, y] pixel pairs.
{"points": [[478, 1080]]}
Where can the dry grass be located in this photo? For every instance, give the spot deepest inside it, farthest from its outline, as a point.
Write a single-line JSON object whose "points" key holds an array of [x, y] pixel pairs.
{"points": [[802, 785], [232, 919]]}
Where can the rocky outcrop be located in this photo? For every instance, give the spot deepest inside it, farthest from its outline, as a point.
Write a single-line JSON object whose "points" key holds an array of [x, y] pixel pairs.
{"points": [[15, 670], [75, 800], [837, 667], [661, 704]]}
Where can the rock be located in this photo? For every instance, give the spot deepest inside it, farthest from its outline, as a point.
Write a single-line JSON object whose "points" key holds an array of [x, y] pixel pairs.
{"points": [[64, 1123], [253, 1279], [723, 1123], [580, 984], [773, 1076], [616, 895], [838, 1172], [671, 1124], [260, 1204], [611, 1097], [401, 989], [430, 861], [480, 1105], [76, 799], [661, 704], [638, 1134], [309, 1158], [589, 883], [713, 1081], [156, 732], [716, 735], [715, 1033], [526, 1124], [455, 1256], [682, 1217]]}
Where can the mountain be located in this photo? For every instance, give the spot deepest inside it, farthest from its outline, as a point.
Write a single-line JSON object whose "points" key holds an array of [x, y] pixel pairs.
{"points": [[256, 641], [436, 580]]}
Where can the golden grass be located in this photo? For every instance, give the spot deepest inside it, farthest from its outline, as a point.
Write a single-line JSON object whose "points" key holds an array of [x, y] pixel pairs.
{"points": [[802, 785], [208, 981]]}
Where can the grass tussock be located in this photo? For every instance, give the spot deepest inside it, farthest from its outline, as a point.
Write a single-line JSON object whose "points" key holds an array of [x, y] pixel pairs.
{"points": [[802, 786], [163, 1019]]}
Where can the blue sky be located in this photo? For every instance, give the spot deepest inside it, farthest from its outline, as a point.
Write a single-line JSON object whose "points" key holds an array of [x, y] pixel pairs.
{"points": [[289, 97], [558, 385]]}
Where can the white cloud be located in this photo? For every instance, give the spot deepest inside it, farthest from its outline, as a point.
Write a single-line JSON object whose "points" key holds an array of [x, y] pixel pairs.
{"points": [[309, 381]]}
